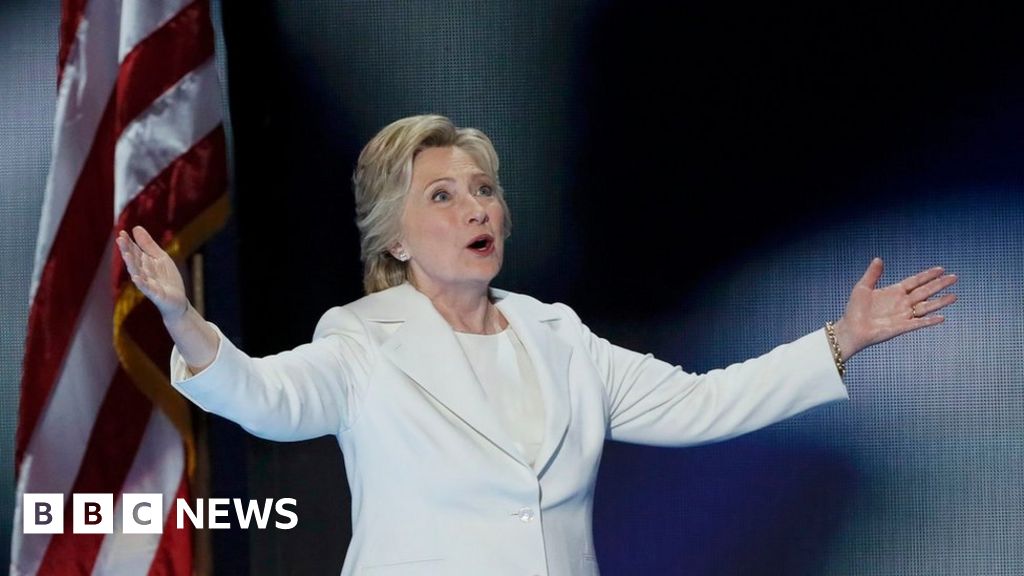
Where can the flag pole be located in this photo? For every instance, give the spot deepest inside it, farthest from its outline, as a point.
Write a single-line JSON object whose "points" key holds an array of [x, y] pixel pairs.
{"points": [[202, 550]]}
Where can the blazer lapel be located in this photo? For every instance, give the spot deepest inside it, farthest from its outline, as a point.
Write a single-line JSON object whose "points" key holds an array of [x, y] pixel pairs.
{"points": [[426, 349], [550, 356]]}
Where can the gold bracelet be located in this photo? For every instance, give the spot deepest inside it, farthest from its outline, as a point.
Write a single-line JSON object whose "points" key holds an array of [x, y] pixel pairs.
{"points": [[837, 353]]}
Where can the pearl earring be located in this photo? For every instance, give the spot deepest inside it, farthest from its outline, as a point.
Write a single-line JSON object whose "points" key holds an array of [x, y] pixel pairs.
{"points": [[402, 255]]}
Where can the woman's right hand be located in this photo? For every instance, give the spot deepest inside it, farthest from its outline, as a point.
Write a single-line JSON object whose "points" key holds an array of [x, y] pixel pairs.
{"points": [[154, 273]]}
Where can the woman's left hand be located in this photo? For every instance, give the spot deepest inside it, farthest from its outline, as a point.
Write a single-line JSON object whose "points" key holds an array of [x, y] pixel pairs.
{"points": [[875, 315]]}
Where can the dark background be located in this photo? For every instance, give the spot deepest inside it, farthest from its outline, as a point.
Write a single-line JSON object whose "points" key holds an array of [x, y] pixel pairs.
{"points": [[656, 157], [700, 180]]}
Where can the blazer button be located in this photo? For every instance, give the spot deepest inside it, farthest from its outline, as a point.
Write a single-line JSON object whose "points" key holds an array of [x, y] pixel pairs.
{"points": [[524, 514]]}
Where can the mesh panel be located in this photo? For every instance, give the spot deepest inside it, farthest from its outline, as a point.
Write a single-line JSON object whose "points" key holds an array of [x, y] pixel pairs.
{"points": [[28, 76]]}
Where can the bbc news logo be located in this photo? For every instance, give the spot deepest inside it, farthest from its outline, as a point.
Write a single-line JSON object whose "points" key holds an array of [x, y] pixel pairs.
{"points": [[143, 513]]}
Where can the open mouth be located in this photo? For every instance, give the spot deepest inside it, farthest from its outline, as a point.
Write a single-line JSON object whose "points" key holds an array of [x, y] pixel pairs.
{"points": [[482, 244]]}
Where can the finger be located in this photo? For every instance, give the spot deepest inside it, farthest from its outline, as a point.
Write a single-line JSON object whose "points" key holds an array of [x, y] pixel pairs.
{"points": [[146, 243], [911, 283], [129, 259], [927, 307], [932, 288], [129, 264], [128, 245], [132, 255], [872, 274], [913, 324], [150, 267], [925, 322], [908, 325]]}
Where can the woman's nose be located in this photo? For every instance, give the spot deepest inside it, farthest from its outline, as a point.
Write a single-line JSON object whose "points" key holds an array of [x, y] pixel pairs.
{"points": [[476, 213]]}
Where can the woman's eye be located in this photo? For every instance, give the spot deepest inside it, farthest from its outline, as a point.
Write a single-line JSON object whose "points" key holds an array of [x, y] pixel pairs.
{"points": [[440, 196], [486, 191]]}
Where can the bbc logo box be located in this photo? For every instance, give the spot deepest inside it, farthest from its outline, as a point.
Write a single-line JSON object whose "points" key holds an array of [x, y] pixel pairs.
{"points": [[92, 513]]}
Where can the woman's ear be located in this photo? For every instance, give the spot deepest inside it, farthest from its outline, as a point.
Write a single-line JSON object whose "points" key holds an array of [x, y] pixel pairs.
{"points": [[399, 253]]}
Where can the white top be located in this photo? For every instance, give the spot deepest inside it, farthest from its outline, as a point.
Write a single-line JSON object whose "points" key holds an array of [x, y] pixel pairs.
{"points": [[509, 382]]}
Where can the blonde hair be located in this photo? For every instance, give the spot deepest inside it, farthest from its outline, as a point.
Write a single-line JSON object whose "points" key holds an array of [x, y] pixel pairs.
{"points": [[381, 183]]}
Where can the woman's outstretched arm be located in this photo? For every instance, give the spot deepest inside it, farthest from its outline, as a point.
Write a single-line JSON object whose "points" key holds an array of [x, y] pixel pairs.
{"points": [[298, 394], [156, 275], [653, 402]]}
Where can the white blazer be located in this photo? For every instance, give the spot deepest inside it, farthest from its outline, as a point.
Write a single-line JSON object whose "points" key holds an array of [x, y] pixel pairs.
{"points": [[437, 486]]}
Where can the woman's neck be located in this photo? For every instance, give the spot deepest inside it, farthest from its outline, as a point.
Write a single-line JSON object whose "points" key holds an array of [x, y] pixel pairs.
{"points": [[468, 310]]}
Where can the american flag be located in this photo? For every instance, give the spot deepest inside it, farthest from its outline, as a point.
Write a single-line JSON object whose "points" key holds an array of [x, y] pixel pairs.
{"points": [[138, 140]]}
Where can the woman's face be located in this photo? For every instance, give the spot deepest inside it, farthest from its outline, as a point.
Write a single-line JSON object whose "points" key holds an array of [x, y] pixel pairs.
{"points": [[452, 222]]}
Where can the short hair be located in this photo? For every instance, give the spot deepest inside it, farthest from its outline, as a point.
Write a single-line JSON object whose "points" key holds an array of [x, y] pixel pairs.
{"points": [[381, 183]]}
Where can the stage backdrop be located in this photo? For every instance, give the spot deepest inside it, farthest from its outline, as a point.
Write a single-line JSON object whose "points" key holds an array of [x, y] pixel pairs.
{"points": [[28, 76], [701, 182]]}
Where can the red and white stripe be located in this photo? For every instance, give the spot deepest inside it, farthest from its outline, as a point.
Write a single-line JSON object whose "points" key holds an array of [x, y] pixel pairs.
{"points": [[137, 96]]}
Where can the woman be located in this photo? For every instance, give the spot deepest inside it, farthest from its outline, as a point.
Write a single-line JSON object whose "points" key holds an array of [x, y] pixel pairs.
{"points": [[472, 419]]}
